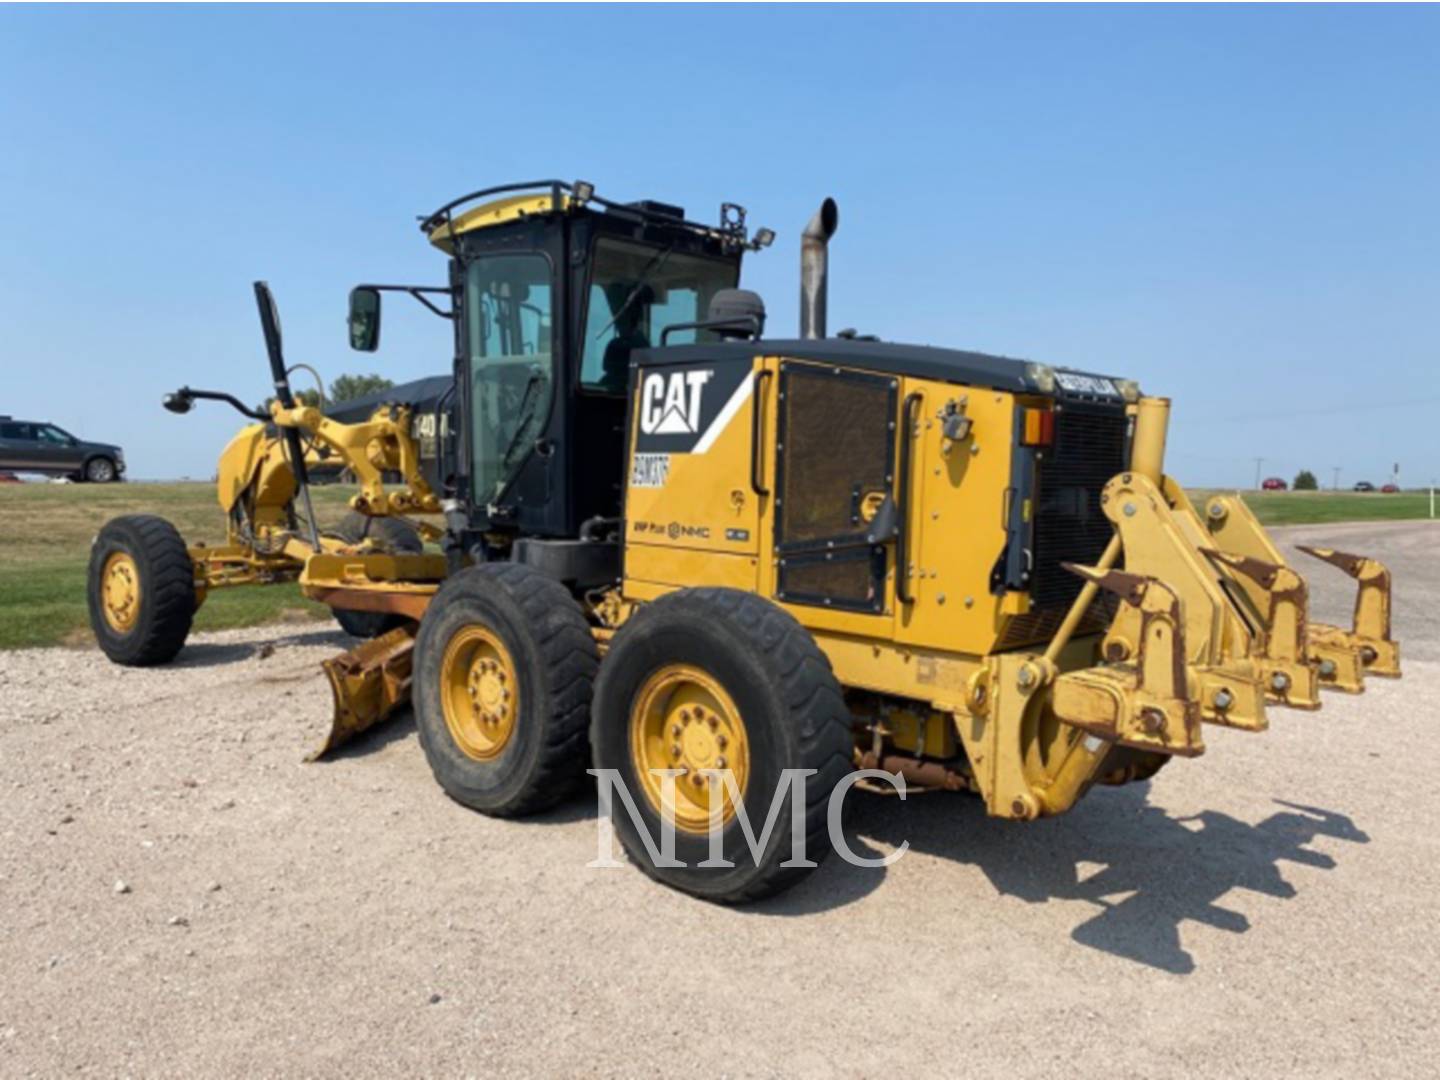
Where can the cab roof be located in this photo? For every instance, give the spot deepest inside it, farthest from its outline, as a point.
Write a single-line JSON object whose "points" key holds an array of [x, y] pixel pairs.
{"points": [[496, 212], [529, 198]]}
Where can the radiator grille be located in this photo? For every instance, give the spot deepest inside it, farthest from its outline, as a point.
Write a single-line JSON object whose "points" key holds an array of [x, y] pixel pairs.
{"points": [[1089, 450], [1040, 626], [837, 434]]}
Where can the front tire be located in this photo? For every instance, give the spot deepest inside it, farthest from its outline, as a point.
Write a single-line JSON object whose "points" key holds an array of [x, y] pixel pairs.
{"points": [[394, 536], [100, 470], [141, 590], [503, 667], [718, 679]]}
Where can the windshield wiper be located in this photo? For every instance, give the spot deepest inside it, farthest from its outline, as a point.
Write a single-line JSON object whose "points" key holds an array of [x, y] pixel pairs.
{"points": [[651, 267], [536, 378]]}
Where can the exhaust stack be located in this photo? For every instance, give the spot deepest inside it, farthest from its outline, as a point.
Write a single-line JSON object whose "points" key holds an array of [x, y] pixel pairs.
{"points": [[815, 268]]}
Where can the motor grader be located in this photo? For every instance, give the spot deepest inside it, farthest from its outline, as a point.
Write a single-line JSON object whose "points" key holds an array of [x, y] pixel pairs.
{"points": [[636, 534]]}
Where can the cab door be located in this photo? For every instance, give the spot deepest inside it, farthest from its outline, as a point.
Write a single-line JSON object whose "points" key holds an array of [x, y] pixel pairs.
{"points": [[509, 383]]}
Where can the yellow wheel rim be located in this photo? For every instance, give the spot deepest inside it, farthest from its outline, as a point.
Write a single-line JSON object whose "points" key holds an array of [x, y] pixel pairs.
{"points": [[683, 720], [479, 692], [120, 591]]}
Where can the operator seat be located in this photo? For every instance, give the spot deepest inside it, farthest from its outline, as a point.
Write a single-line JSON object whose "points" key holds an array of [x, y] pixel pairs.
{"points": [[615, 364]]}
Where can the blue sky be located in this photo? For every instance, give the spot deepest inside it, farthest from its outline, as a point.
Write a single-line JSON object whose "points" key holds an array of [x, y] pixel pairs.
{"points": [[1237, 206]]}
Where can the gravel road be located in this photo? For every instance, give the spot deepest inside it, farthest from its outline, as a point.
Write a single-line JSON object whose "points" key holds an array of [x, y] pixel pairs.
{"points": [[182, 896]]}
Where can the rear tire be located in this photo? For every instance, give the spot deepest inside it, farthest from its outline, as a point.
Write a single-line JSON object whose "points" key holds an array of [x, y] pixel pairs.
{"points": [[141, 590], [490, 629], [394, 536], [724, 648]]}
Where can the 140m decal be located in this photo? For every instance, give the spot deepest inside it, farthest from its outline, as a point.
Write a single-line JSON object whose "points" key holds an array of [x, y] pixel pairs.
{"points": [[649, 470]]}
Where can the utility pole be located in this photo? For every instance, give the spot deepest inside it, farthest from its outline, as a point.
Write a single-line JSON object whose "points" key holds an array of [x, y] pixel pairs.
{"points": [[1259, 463], [1336, 485]]}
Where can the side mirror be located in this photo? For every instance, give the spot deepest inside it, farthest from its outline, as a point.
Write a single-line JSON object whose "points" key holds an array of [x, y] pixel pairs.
{"points": [[364, 319]]}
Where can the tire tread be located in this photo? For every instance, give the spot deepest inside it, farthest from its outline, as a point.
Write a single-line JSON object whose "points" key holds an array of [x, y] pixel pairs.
{"points": [[816, 708], [168, 577], [566, 664], [567, 648]]}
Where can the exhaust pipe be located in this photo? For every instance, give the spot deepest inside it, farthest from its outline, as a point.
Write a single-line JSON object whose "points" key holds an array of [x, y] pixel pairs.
{"points": [[815, 268]]}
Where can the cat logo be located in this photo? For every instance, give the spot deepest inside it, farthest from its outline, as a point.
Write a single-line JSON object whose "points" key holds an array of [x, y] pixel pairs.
{"points": [[670, 404]]}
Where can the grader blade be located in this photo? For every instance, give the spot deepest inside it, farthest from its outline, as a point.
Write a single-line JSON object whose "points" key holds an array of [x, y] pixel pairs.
{"points": [[368, 683]]}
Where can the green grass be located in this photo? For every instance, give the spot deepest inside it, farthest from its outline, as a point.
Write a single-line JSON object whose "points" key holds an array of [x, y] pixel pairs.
{"points": [[45, 534], [1321, 507], [46, 529]]}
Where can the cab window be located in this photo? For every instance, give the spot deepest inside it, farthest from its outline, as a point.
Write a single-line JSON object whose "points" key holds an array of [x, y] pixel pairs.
{"points": [[49, 433], [508, 330], [637, 290]]}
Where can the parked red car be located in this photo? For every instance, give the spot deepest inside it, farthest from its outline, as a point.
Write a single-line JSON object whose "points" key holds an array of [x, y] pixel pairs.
{"points": [[1391, 489], [1274, 483]]}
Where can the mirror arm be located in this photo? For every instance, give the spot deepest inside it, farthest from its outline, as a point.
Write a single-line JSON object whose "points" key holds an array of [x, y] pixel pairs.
{"points": [[418, 294], [180, 401], [417, 291]]}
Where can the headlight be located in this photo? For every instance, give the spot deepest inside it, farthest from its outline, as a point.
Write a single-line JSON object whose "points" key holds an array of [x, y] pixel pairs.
{"points": [[1041, 376]]}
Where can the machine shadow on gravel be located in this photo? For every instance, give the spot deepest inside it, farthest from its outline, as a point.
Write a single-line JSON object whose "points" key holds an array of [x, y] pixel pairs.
{"points": [[1156, 871], [205, 654]]}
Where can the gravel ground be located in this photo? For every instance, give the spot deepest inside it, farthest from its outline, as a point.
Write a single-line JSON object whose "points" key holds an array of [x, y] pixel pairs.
{"points": [[182, 896]]}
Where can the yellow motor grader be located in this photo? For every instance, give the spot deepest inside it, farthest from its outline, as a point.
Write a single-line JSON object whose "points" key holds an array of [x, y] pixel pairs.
{"points": [[705, 560]]}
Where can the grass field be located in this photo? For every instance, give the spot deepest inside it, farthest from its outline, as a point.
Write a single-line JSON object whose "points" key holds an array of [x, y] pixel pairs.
{"points": [[46, 529], [45, 534], [1319, 507]]}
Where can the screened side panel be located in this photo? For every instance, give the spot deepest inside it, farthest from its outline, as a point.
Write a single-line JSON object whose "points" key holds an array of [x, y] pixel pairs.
{"points": [[851, 579], [836, 446]]}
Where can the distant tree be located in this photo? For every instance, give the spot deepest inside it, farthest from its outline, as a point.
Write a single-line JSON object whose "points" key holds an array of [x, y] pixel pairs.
{"points": [[350, 387], [1305, 481], [302, 397]]}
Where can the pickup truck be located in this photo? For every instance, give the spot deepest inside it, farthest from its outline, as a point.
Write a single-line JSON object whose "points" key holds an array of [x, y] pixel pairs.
{"points": [[37, 446]]}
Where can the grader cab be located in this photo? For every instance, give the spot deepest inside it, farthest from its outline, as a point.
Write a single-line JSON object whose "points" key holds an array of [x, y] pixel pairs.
{"points": [[636, 536]]}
